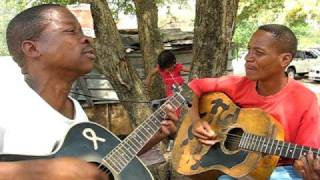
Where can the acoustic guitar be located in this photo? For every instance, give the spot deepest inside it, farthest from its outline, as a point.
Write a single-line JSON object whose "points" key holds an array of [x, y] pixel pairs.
{"points": [[250, 142], [93, 143]]}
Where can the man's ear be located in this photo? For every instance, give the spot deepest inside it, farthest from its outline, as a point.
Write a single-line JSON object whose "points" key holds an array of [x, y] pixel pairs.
{"points": [[286, 59], [30, 48]]}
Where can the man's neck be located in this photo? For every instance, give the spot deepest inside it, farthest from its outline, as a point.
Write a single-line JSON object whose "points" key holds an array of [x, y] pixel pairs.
{"points": [[54, 91], [271, 86]]}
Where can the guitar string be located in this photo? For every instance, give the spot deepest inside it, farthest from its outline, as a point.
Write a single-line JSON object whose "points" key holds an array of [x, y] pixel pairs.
{"points": [[236, 139], [104, 162]]}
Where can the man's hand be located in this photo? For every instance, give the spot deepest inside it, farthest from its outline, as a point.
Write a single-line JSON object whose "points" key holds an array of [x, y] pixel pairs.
{"points": [[203, 132], [308, 167], [70, 168], [60, 168], [169, 124]]}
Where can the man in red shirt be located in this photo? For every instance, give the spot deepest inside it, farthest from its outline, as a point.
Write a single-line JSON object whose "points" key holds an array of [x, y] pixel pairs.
{"points": [[266, 86]]}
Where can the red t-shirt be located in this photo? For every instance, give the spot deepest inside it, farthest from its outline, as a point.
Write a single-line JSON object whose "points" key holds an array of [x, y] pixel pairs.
{"points": [[295, 106], [171, 77]]}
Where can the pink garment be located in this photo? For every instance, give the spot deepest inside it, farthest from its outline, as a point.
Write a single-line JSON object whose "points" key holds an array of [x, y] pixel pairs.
{"points": [[295, 106], [171, 77]]}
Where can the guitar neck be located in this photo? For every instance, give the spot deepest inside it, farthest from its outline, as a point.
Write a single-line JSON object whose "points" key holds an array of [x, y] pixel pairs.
{"points": [[122, 154], [271, 146]]}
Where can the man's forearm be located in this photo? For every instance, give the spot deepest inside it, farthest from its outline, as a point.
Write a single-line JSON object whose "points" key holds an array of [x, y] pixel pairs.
{"points": [[26, 170]]}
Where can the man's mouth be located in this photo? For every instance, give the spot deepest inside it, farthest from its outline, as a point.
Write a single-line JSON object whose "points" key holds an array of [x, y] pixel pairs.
{"points": [[250, 67], [90, 53]]}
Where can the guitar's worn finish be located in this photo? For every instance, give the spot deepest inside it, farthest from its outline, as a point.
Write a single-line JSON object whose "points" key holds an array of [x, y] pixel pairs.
{"points": [[231, 124]]}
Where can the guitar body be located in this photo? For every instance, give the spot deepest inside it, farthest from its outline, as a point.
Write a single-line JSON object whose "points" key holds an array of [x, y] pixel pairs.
{"points": [[199, 161], [90, 142]]}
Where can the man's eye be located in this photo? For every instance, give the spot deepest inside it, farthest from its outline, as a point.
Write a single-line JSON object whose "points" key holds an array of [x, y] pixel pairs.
{"points": [[70, 30], [259, 52]]}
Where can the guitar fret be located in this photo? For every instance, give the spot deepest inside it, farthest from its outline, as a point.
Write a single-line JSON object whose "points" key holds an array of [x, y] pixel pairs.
{"points": [[253, 143], [294, 151], [172, 104], [301, 151], [159, 114], [267, 146], [259, 139], [155, 122], [258, 143], [275, 150], [176, 102], [288, 148], [111, 165], [180, 99], [152, 128], [282, 148], [124, 152], [271, 146], [263, 145], [133, 145], [117, 159], [129, 148], [146, 129], [135, 141], [248, 142], [141, 135], [241, 140], [121, 159], [124, 155]]}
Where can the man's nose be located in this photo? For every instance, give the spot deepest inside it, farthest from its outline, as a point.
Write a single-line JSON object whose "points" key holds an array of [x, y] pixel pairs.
{"points": [[248, 57], [87, 40]]}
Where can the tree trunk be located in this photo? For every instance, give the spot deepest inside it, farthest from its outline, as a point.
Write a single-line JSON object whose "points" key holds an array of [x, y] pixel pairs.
{"points": [[113, 63], [213, 27], [150, 40]]}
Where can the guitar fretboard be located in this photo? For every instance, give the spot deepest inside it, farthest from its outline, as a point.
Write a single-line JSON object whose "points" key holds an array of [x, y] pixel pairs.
{"points": [[122, 154], [271, 146]]}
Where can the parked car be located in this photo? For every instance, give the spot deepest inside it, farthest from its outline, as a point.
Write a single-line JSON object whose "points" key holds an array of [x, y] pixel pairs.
{"points": [[302, 63], [315, 51], [314, 73]]}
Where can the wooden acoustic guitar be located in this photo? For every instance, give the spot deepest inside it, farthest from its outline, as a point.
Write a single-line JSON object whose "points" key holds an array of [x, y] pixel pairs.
{"points": [[250, 142], [95, 144]]}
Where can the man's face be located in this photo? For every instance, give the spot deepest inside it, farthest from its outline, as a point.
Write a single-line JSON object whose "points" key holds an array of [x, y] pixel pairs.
{"points": [[263, 60], [63, 47]]}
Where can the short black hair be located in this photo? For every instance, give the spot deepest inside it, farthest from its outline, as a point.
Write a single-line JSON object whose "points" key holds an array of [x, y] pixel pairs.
{"points": [[27, 25], [284, 36], [166, 59]]}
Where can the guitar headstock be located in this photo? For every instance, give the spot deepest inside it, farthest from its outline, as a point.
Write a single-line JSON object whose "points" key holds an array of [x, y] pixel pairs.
{"points": [[176, 88]]}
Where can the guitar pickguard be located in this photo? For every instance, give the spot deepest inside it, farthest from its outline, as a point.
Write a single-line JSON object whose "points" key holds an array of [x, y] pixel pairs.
{"points": [[215, 156]]}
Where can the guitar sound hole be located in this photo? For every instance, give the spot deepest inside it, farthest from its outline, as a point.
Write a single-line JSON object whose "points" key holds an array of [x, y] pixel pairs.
{"points": [[233, 139], [105, 169]]}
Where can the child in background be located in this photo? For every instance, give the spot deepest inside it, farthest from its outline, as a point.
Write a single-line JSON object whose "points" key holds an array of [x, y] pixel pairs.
{"points": [[169, 71]]}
